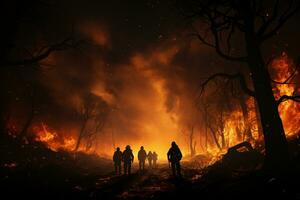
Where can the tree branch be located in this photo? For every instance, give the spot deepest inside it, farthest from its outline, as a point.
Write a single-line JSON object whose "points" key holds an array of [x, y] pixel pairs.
{"points": [[217, 44], [237, 76], [283, 98], [268, 22], [45, 52], [218, 22], [290, 11]]}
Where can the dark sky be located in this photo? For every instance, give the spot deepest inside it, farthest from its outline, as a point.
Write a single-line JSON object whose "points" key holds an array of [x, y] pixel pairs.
{"points": [[132, 24]]}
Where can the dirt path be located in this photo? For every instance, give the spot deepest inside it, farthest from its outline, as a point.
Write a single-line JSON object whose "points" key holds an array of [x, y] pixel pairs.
{"points": [[149, 184]]}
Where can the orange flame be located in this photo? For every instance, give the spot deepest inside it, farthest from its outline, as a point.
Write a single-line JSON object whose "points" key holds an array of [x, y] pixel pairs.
{"points": [[283, 69], [52, 139], [289, 110]]}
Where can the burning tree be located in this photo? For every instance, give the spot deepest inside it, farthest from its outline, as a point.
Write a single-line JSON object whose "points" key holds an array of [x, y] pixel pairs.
{"points": [[253, 22], [92, 113], [225, 115], [189, 132]]}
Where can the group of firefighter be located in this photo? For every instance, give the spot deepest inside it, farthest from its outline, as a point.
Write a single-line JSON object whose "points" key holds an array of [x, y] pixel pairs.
{"points": [[174, 156]]}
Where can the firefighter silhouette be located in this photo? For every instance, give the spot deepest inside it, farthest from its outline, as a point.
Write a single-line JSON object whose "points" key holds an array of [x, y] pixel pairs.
{"points": [[154, 156], [127, 159], [150, 158], [142, 155], [174, 157], [117, 158]]}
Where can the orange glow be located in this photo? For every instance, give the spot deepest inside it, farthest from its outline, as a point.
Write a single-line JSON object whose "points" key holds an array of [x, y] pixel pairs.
{"points": [[233, 123], [282, 68], [52, 139], [289, 110], [143, 97], [138, 93], [97, 33], [12, 128]]}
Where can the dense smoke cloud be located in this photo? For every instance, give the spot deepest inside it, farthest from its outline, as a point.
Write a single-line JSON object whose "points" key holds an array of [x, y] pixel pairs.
{"points": [[151, 93]]}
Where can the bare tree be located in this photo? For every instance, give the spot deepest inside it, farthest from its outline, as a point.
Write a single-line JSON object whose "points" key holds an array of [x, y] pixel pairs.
{"points": [[98, 124], [208, 125], [192, 142], [254, 22], [86, 112], [247, 135], [93, 115], [216, 125]]}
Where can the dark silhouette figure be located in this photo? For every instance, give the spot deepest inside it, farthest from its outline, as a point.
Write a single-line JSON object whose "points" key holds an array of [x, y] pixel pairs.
{"points": [[142, 155], [117, 158], [174, 156], [150, 158], [127, 159], [154, 156]]}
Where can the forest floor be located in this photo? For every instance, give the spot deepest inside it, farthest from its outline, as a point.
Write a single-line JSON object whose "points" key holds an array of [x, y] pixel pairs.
{"points": [[35, 172]]}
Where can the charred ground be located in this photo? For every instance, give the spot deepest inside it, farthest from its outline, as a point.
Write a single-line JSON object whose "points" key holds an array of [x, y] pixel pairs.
{"points": [[33, 171]]}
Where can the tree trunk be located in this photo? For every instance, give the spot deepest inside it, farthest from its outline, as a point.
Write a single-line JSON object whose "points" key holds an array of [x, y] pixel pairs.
{"points": [[247, 130], [80, 135], [222, 128], [274, 136], [258, 121], [192, 143], [207, 124], [206, 138], [215, 137]]}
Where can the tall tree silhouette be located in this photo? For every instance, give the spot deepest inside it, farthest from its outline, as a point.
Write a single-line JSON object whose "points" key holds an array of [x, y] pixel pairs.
{"points": [[252, 22]]}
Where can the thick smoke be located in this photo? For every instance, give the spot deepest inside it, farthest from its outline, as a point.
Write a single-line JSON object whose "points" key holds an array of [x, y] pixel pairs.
{"points": [[151, 94]]}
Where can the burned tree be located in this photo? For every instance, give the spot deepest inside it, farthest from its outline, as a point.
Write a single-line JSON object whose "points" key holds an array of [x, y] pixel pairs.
{"points": [[253, 23], [189, 132], [91, 114], [97, 124], [204, 108], [192, 142], [247, 135], [219, 108]]}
